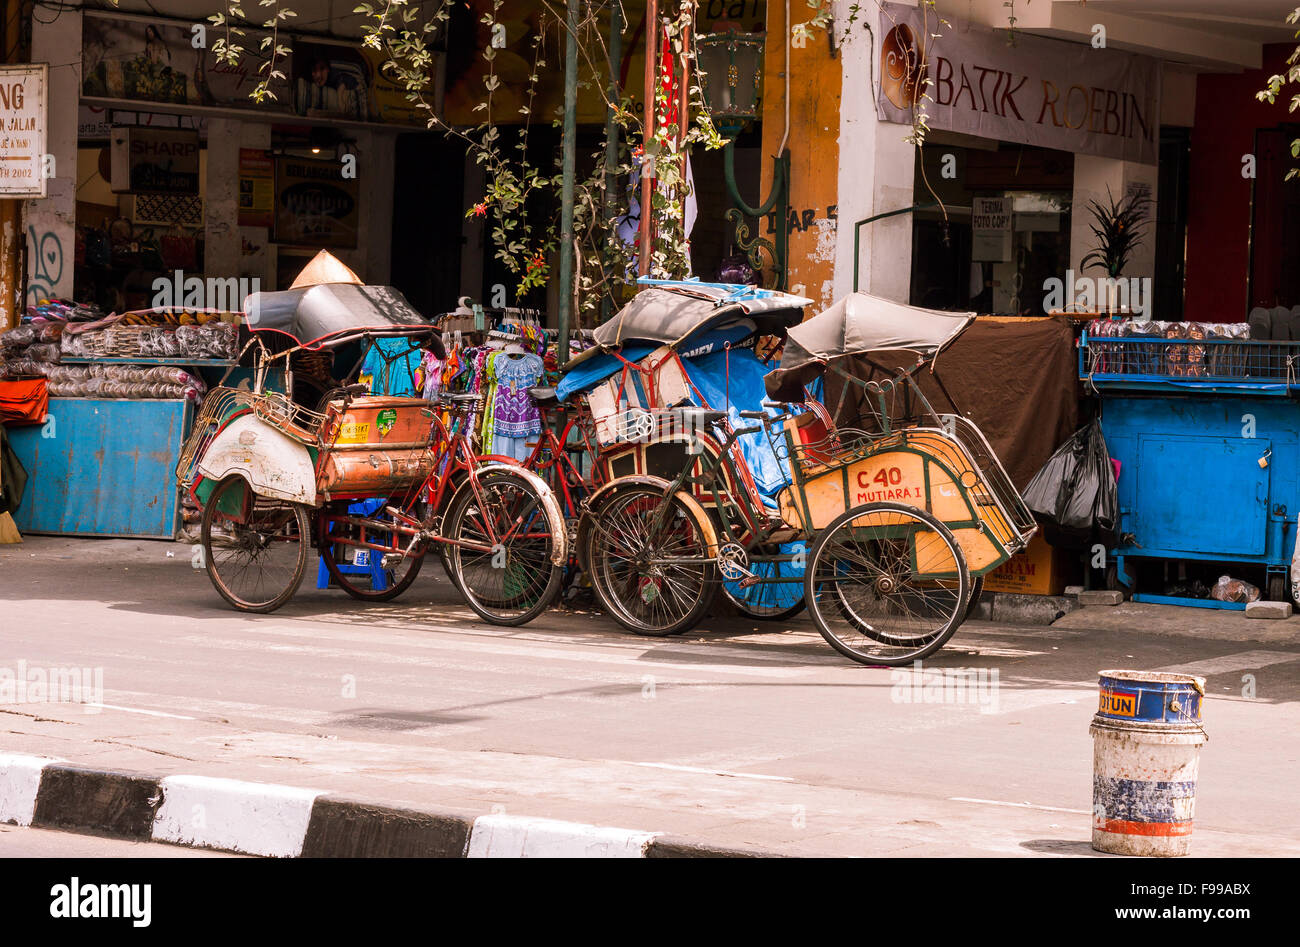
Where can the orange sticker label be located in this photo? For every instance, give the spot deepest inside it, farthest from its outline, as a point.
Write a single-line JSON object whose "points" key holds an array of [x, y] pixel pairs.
{"points": [[1119, 703]]}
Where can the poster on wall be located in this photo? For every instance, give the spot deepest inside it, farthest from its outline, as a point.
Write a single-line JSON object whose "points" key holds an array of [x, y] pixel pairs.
{"points": [[1031, 93], [22, 129], [346, 81], [315, 206], [990, 229], [154, 160], [256, 188], [137, 58]]}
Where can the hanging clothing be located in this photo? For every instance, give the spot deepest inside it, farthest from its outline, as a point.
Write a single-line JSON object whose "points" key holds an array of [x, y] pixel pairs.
{"points": [[390, 366], [514, 413]]}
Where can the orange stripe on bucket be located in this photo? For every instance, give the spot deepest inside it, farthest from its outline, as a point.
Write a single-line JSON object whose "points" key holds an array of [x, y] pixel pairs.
{"points": [[1123, 827]]}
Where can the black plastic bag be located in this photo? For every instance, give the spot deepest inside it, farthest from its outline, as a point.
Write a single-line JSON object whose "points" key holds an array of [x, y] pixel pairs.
{"points": [[1074, 495]]}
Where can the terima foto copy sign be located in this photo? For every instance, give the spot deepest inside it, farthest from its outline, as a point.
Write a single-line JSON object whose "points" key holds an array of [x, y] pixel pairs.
{"points": [[22, 130]]}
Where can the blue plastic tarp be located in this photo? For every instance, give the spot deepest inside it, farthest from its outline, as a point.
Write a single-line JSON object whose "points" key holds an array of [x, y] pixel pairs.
{"points": [[733, 382], [592, 372]]}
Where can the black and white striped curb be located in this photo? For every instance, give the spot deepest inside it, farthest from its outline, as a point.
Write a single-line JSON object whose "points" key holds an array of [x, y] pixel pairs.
{"points": [[289, 822]]}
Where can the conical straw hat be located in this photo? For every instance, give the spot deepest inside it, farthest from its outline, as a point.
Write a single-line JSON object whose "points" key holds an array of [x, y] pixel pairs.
{"points": [[325, 267]]}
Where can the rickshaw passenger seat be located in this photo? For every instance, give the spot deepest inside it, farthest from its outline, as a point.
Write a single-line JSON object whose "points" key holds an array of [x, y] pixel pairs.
{"points": [[815, 431]]}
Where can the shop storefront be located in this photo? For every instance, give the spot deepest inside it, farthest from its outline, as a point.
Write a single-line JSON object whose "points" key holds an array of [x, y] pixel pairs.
{"points": [[174, 195]]}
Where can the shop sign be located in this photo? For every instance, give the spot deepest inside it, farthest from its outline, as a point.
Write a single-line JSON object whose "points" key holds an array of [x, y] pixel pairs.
{"points": [[154, 160], [315, 205], [991, 229], [256, 188], [1043, 92], [22, 130]]}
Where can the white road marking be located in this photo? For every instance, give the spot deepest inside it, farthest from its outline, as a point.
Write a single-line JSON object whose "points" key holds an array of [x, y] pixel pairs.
{"points": [[255, 818], [1240, 661], [135, 710], [1017, 805], [714, 772], [508, 836]]}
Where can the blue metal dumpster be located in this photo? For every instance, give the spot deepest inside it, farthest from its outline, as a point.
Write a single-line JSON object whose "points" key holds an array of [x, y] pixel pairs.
{"points": [[1207, 434]]}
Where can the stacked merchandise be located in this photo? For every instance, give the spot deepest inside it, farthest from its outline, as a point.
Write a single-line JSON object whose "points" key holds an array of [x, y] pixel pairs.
{"points": [[1187, 354], [30, 349], [123, 381]]}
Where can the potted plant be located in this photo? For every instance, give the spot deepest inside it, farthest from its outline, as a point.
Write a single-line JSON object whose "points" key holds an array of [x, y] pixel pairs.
{"points": [[1119, 229]]}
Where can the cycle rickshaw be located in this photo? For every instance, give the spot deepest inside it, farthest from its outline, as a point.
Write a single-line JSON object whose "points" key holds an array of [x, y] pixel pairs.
{"points": [[372, 481], [902, 516]]}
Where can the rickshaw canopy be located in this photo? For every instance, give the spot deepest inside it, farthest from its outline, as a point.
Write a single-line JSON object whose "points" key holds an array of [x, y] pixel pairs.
{"points": [[325, 315], [668, 313], [859, 325]]}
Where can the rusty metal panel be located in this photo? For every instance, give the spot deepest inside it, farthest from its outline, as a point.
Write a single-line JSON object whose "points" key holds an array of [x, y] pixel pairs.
{"points": [[102, 467]]}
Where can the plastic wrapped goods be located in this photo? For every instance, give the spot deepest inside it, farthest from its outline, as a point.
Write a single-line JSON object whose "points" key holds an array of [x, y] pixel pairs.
{"points": [[1228, 589]]}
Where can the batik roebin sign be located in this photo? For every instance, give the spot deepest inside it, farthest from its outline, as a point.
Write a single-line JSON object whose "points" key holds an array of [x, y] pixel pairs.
{"points": [[1050, 93]]}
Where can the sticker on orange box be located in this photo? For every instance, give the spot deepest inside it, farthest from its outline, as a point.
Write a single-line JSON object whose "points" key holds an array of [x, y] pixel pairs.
{"points": [[352, 432], [1118, 703]]}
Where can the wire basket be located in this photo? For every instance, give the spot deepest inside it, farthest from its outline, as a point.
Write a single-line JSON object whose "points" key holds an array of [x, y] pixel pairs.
{"points": [[218, 406], [289, 417]]}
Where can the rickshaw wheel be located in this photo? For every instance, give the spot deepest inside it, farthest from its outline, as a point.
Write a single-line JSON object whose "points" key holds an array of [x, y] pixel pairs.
{"points": [[515, 581], [254, 548], [360, 585], [645, 595], [887, 584], [768, 601]]}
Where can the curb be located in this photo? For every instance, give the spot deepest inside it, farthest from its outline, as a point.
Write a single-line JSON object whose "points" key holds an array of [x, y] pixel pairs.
{"points": [[290, 822]]}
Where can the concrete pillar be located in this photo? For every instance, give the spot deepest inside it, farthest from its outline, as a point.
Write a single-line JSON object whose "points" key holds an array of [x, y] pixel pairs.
{"points": [[260, 262], [876, 171], [221, 242], [51, 221], [1092, 177], [376, 154]]}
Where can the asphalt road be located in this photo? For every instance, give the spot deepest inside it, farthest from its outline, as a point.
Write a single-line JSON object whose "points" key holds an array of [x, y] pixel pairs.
{"points": [[738, 734]]}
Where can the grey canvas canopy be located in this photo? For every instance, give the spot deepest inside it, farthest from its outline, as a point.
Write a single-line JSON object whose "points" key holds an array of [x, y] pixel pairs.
{"points": [[327, 314], [668, 315], [858, 325]]}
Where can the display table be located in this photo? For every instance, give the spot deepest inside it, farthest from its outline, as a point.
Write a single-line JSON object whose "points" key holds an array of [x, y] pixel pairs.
{"points": [[103, 467]]}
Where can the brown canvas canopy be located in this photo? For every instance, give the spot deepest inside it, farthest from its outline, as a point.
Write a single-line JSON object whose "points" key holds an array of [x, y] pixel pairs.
{"points": [[858, 325]]}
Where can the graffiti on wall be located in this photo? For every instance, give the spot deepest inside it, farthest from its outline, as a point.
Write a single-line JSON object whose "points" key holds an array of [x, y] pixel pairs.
{"points": [[46, 266]]}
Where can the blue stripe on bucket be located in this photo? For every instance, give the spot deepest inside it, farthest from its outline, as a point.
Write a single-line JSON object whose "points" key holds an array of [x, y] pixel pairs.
{"points": [[1138, 800]]}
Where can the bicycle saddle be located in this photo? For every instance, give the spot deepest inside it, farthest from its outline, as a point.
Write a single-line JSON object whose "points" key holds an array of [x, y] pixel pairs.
{"points": [[543, 395], [698, 417]]}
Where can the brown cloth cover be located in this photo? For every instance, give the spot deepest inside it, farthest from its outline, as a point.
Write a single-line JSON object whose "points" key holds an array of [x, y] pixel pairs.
{"points": [[1016, 379]]}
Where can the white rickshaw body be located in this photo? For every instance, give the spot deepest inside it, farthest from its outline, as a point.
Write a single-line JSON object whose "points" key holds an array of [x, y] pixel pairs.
{"points": [[274, 464]]}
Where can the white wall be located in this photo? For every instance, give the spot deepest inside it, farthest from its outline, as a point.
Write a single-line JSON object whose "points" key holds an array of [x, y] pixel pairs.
{"points": [[875, 174], [50, 222]]}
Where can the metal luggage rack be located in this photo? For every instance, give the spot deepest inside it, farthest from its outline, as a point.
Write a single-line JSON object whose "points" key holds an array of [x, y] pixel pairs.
{"points": [[291, 418], [1209, 363], [217, 406]]}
